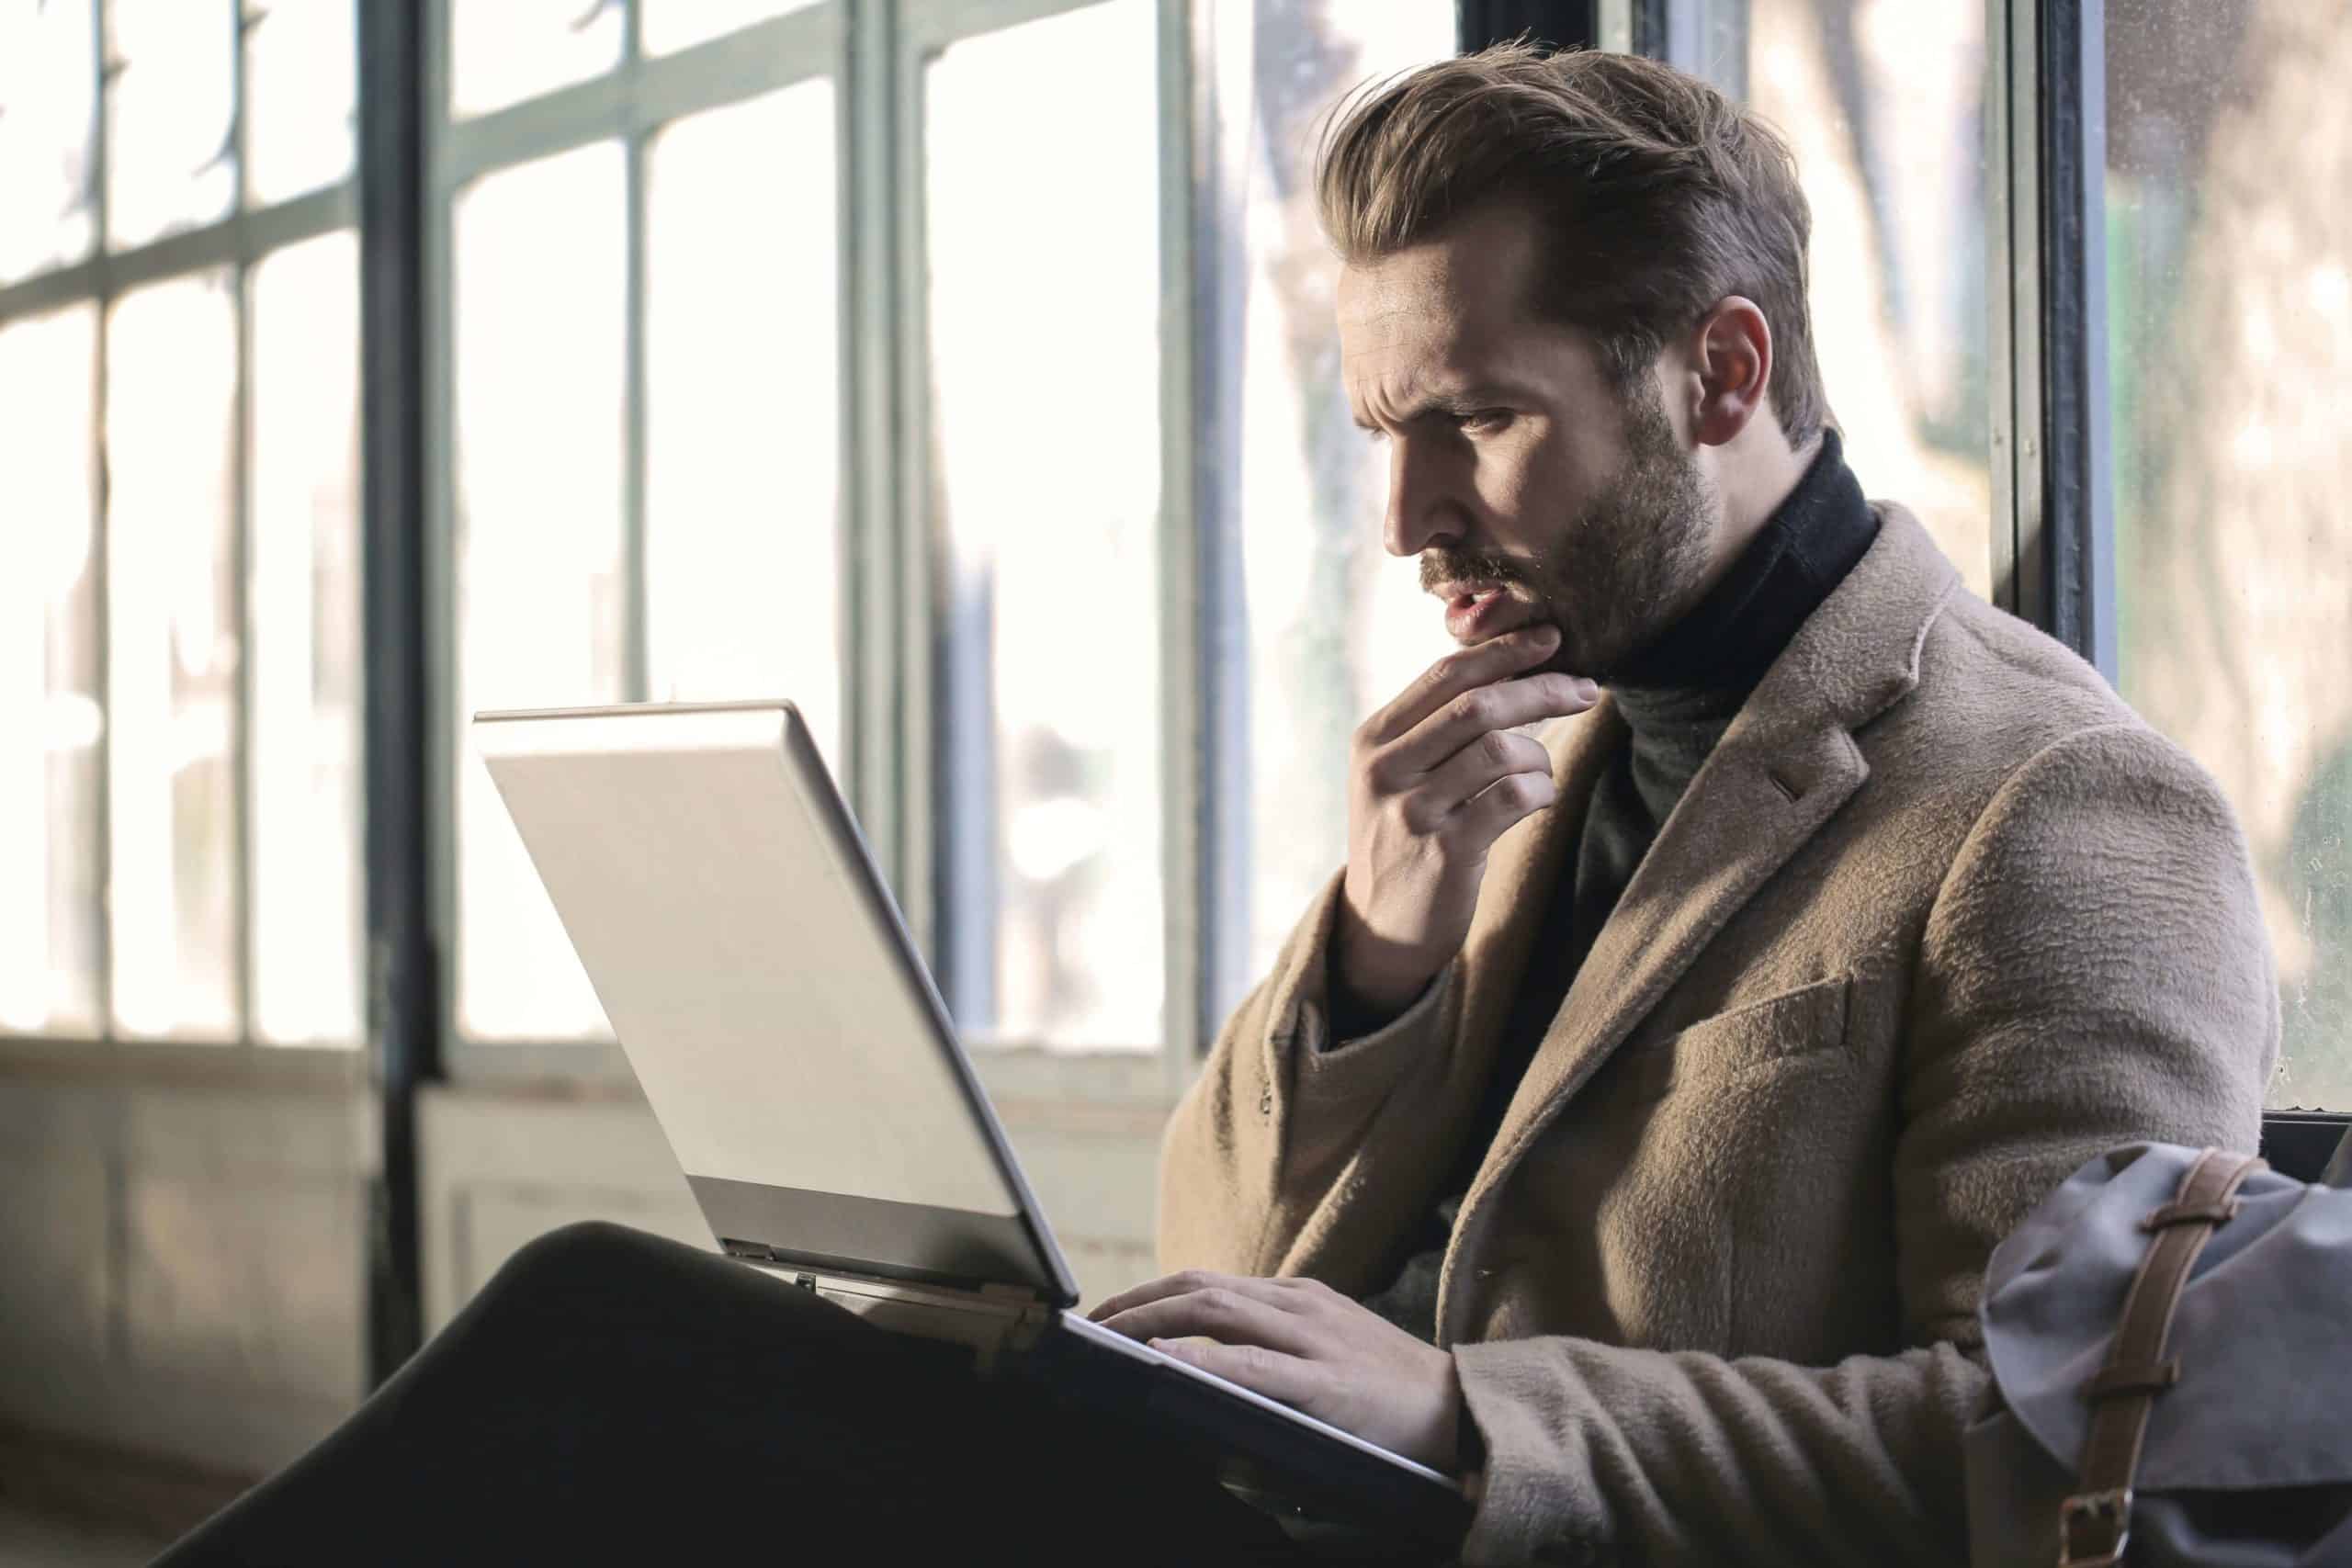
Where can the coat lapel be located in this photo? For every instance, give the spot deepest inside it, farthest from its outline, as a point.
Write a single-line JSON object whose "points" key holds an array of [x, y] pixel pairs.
{"points": [[1782, 770]]}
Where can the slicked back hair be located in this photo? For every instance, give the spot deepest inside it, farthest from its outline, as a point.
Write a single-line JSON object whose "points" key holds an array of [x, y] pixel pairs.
{"points": [[1658, 198]]}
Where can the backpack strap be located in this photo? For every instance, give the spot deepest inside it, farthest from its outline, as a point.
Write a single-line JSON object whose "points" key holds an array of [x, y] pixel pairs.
{"points": [[2094, 1524]]}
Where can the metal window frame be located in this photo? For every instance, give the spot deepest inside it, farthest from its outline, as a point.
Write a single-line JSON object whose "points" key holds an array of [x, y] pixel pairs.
{"points": [[2047, 127], [874, 53], [1561, 23], [235, 244], [403, 967]]}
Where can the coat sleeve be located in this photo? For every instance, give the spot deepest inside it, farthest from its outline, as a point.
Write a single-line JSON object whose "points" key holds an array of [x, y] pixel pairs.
{"points": [[2094, 971], [1262, 1136]]}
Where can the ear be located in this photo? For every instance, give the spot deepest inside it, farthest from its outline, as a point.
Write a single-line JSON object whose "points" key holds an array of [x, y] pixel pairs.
{"points": [[1732, 352]]}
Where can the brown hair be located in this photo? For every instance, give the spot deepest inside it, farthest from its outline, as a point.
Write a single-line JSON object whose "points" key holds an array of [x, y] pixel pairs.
{"points": [[1661, 196]]}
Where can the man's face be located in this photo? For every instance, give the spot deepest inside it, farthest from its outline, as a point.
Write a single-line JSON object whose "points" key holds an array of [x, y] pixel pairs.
{"points": [[1531, 488]]}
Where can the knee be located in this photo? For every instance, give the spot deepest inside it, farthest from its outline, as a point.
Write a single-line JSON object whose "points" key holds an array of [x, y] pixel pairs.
{"points": [[581, 1253]]}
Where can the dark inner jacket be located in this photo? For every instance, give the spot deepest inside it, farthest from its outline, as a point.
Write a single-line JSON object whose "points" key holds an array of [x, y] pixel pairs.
{"points": [[1678, 697]]}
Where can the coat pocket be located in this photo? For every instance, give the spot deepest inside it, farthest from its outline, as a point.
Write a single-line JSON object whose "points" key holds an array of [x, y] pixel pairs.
{"points": [[1777, 1028], [1802, 1022]]}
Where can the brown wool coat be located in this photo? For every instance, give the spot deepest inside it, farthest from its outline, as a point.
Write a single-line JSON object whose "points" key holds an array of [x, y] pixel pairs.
{"points": [[1938, 920]]}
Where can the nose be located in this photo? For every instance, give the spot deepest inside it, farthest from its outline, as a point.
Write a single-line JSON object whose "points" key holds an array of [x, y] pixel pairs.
{"points": [[1421, 510]]}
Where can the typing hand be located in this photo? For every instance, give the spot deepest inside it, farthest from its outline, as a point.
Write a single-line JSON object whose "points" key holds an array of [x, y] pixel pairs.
{"points": [[1301, 1342]]}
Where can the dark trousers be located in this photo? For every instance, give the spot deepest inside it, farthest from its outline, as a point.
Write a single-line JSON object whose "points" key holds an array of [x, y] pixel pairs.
{"points": [[611, 1396]]}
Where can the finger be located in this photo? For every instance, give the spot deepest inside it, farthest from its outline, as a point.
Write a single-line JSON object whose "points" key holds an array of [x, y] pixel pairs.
{"points": [[1505, 704], [1227, 1316], [1271, 1372], [1497, 754], [1458, 672], [1486, 816], [1284, 1293], [1174, 1284]]}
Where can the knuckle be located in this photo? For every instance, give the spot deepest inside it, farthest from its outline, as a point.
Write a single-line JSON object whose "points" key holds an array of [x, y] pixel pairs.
{"points": [[1499, 747], [1420, 815], [1471, 708]]}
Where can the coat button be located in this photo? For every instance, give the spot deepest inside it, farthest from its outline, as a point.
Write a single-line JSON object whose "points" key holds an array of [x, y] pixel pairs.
{"points": [[1266, 1100]]}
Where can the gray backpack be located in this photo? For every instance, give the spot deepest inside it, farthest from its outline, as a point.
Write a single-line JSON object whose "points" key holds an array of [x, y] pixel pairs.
{"points": [[2170, 1336]]}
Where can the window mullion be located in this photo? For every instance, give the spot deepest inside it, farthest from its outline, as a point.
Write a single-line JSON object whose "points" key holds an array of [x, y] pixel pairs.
{"points": [[916, 640], [102, 527], [408, 688], [2077, 514], [245, 986], [636, 652], [1188, 837]]}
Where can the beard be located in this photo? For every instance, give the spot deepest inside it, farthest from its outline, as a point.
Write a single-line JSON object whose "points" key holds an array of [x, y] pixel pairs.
{"points": [[1623, 567]]}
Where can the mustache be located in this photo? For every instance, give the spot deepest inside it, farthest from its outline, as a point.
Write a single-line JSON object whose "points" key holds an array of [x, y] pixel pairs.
{"points": [[1439, 567]]}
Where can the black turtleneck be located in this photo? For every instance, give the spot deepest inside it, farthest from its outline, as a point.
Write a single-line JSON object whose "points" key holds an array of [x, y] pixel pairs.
{"points": [[1677, 697]]}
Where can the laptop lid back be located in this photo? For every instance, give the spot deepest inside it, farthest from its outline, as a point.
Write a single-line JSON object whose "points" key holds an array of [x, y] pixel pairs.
{"points": [[766, 991]]}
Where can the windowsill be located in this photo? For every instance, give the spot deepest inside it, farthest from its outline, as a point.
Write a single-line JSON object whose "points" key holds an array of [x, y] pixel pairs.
{"points": [[189, 1064]]}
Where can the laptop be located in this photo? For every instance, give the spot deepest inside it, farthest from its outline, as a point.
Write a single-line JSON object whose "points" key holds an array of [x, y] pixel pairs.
{"points": [[829, 1121]]}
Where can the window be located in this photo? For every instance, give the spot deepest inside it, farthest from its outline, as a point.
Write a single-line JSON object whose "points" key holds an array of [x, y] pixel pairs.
{"points": [[2229, 319], [1044, 375], [181, 843], [641, 486], [52, 963], [1332, 627], [1882, 104]]}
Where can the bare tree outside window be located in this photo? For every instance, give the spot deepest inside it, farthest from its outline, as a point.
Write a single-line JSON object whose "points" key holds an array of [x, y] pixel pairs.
{"points": [[2230, 325]]}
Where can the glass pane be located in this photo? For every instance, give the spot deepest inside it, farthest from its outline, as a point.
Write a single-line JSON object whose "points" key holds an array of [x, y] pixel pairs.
{"points": [[1882, 104], [1335, 626], [169, 101], [303, 584], [2230, 325], [47, 87], [502, 51], [541, 286], [300, 107], [743, 432], [171, 657], [1044, 386], [50, 900], [674, 24]]}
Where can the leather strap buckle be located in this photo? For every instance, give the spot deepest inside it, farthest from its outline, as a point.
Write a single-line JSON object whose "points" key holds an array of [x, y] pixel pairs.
{"points": [[2094, 1527], [2173, 1215]]}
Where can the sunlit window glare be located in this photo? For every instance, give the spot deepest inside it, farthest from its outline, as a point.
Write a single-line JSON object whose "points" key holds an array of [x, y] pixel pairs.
{"points": [[172, 659], [1045, 386], [49, 773], [170, 98], [303, 586], [541, 300], [48, 84], [742, 429]]}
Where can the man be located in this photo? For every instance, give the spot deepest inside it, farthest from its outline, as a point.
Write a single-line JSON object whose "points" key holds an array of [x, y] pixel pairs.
{"points": [[1627, 1126], [1661, 1087]]}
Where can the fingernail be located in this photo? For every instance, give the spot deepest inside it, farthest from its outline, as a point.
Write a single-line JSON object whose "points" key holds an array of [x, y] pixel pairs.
{"points": [[1588, 691]]}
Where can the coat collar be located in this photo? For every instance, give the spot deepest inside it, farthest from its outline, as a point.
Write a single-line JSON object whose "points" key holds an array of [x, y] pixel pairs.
{"points": [[1787, 763]]}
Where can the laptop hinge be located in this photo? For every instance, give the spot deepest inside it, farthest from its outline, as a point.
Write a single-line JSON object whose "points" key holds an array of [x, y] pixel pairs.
{"points": [[989, 1317]]}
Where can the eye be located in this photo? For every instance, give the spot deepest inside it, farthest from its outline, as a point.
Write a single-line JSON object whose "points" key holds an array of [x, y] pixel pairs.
{"points": [[1483, 421]]}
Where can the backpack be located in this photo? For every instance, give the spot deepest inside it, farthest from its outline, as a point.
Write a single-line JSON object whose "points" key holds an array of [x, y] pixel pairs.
{"points": [[2170, 1338]]}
